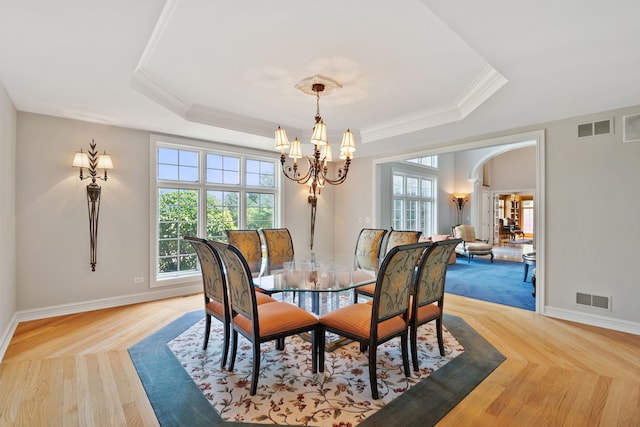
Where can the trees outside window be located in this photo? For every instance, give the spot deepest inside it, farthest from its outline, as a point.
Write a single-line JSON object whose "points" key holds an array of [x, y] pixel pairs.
{"points": [[203, 192]]}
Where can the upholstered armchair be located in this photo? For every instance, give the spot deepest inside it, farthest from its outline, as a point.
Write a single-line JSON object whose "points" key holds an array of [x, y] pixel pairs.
{"points": [[470, 246]]}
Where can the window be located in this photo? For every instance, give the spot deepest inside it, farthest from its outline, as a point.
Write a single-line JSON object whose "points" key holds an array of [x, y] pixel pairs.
{"points": [[431, 161], [202, 191], [413, 203]]}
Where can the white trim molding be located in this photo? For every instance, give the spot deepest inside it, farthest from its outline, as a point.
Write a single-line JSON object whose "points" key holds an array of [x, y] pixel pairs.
{"points": [[593, 320], [7, 335], [82, 306]]}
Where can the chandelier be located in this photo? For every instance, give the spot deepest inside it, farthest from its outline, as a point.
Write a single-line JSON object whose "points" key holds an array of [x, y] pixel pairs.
{"points": [[315, 174]]}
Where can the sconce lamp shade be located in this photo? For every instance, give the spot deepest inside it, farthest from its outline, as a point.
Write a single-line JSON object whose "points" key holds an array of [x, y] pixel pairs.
{"points": [[296, 150], [104, 162], [319, 136], [80, 160], [282, 141]]}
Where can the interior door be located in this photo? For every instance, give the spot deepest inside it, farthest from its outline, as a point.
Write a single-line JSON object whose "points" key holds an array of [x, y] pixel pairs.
{"points": [[486, 215]]}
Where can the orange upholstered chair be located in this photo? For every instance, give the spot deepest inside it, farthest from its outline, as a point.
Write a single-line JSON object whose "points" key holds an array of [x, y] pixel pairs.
{"points": [[279, 248], [386, 317], [216, 300], [367, 254], [248, 242], [427, 300], [264, 322], [394, 238]]}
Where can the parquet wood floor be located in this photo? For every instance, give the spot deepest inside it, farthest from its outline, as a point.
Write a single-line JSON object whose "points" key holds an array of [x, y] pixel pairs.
{"points": [[75, 370]]}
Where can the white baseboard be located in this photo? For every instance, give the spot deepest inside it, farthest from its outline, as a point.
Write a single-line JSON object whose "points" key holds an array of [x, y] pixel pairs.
{"points": [[80, 307], [7, 335], [593, 320]]}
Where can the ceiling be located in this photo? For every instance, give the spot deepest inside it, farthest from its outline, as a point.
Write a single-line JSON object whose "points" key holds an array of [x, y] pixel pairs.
{"points": [[413, 73]]}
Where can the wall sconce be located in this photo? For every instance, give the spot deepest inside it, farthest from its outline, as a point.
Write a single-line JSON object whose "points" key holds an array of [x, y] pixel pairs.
{"points": [[460, 200], [93, 161]]}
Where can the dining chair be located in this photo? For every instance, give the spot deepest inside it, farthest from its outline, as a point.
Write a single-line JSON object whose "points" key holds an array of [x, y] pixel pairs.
{"points": [[248, 242], [216, 300], [279, 248], [394, 238], [264, 322], [427, 301], [385, 317], [367, 253], [216, 297]]}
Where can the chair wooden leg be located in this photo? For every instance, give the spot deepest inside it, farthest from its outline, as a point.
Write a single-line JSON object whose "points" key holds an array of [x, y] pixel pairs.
{"points": [[256, 368], [405, 354], [314, 350], [207, 330], [439, 333], [321, 344], [373, 378], [225, 346], [234, 349], [414, 348]]}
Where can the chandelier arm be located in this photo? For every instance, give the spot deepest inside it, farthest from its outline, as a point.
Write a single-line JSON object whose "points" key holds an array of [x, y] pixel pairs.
{"points": [[291, 172], [342, 174]]}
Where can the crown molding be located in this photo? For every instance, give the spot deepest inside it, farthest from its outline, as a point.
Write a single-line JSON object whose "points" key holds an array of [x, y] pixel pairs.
{"points": [[487, 83], [410, 123]]}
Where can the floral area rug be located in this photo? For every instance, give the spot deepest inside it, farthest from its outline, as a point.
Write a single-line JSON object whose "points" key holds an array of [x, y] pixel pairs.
{"points": [[288, 393]]}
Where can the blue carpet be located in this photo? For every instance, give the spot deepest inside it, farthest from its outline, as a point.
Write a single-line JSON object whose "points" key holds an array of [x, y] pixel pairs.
{"points": [[499, 282], [177, 401]]}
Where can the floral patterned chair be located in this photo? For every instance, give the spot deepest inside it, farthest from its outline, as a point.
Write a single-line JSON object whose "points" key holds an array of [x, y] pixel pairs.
{"points": [[471, 246], [260, 322], [366, 261], [279, 248], [427, 300], [248, 242], [394, 238], [216, 301], [385, 317]]}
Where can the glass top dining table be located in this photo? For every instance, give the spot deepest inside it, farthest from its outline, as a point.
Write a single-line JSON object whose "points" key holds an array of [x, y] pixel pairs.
{"points": [[321, 280]]}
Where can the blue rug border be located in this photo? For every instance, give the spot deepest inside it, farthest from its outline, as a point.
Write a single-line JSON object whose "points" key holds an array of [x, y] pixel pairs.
{"points": [[177, 400]]}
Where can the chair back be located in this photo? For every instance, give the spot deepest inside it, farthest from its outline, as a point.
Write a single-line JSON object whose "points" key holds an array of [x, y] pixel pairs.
{"points": [[464, 232], [368, 248], [241, 293], [279, 247], [401, 237], [431, 274], [249, 244], [394, 283], [213, 278]]}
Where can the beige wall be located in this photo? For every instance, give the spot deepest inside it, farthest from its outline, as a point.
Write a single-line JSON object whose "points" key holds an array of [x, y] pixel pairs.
{"points": [[590, 187], [7, 218], [590, 193], [514, 170]]}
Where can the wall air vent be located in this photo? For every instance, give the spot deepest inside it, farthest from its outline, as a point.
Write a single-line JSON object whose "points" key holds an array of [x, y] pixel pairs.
{"points": [[601, 127], [593, 301]]}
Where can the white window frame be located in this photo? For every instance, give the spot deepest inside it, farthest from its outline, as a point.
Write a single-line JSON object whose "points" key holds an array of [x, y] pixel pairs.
{"points": [[433, 199], [203, 148]]}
